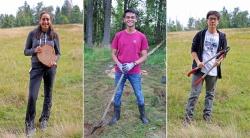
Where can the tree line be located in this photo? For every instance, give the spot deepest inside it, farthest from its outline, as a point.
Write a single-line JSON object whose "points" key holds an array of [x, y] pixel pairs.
{"points": [[234, 19], [103, 18], [27, 16]]}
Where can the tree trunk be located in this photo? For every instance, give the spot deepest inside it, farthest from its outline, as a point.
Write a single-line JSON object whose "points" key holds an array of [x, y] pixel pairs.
{"points": [[89, 24], [126, 6], [160, 32], [107, 20]]}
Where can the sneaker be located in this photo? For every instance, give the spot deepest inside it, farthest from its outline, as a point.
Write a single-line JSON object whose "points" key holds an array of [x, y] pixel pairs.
{"points": [[207, 118], [43, 125], [187, 120], [30, 130]]}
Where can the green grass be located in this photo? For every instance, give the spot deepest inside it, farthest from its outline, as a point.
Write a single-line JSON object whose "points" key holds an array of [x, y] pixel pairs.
{"points": [[158, 58], [231, 105], [66, 114], [98, 90]]}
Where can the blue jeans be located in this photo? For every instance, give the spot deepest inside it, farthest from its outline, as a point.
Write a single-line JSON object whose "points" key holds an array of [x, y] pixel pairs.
{"points": [[135, 81]]}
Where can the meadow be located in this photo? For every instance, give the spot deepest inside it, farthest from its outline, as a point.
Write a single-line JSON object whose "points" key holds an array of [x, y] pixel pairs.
{"points": [[231, 105], [66, 114], [98, 88]]}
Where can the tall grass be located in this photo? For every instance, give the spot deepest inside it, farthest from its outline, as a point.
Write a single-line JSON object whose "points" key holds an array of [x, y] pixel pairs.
{"points": [[231, 106], [67, 94]]}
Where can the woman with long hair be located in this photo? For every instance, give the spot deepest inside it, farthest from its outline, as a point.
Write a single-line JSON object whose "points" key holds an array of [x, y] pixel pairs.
{"points": [[44, 34]]}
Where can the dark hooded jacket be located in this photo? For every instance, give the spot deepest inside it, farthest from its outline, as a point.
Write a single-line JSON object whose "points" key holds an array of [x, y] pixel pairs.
{"points": [[198, 44]]}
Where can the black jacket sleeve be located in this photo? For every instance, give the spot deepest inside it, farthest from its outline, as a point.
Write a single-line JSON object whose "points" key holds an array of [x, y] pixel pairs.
{"points": [[225, 43], [28, 50], [196, 43], [57, 48]]}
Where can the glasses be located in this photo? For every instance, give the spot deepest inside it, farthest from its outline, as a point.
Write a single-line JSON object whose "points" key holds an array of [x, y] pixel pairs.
{"points": [[130, 17], [45, 19], [212, 18]]}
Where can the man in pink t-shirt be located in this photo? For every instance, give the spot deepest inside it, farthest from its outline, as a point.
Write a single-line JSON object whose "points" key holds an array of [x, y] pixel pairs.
{"points": [[129, 50]]}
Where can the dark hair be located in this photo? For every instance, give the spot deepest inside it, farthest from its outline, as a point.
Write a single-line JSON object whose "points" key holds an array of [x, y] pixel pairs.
{"points": [[51, 32], [215, 13], [131, 11]]}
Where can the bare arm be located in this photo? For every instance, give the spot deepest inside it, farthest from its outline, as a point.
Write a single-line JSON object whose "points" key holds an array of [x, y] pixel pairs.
{"points": [[114, 56], [144, 55]]}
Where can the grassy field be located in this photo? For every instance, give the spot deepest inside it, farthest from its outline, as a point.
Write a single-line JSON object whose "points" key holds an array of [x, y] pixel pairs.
{"points": [[98, 90], [231, 106], [66, 115]]}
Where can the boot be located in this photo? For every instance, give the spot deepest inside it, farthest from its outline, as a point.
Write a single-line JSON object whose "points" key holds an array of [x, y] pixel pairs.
{"points": [[142, 114], [116, 116]]}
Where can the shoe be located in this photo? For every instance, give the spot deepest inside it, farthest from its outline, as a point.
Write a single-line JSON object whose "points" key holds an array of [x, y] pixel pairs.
{"points": [[43, 125], [187, 120], [207, 118], [142, 114], [116, 116], [30, 129]]}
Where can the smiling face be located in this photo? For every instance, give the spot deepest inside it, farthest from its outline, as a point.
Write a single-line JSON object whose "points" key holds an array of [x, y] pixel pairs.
{"points": [[130, 19], [45, 21]]}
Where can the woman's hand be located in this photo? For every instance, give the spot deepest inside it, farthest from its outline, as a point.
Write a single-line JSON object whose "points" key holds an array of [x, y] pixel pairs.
{"points": [[38, 49], [52, 63]]}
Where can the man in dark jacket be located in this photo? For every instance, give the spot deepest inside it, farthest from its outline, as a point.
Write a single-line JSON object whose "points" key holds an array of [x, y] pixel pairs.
{"points": [[206, 44]]}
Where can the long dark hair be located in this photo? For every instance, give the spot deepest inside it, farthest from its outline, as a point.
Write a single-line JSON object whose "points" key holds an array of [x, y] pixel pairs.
{"points": [[52, 34]]}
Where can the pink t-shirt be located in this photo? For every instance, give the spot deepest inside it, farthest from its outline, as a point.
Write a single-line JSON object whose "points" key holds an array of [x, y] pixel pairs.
{"points": [[129, 47]]}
